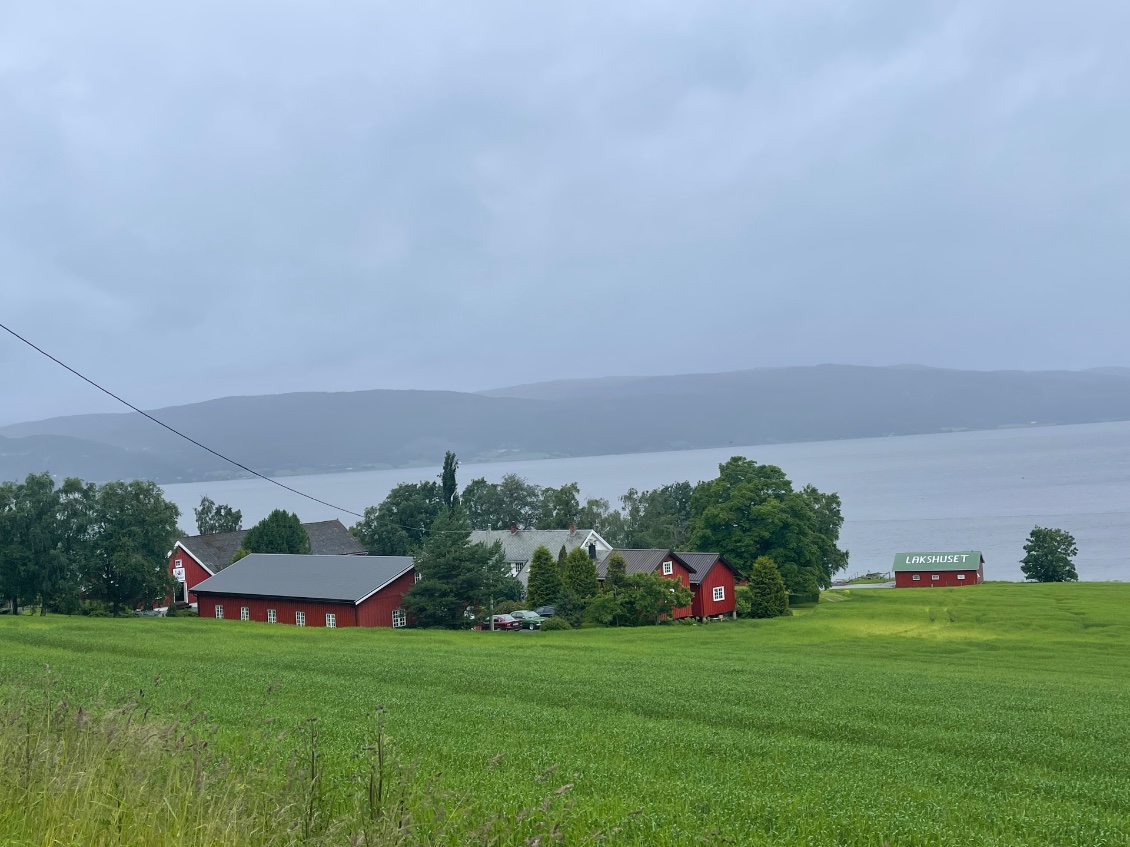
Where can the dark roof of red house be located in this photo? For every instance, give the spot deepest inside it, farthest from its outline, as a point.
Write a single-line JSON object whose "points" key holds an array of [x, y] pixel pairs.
{"points": [[642, 560], [327, 538], [337, 579], [702, 563]]}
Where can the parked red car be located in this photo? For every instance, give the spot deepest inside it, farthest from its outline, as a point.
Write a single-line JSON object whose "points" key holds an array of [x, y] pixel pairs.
{"points": [[503, 622]]}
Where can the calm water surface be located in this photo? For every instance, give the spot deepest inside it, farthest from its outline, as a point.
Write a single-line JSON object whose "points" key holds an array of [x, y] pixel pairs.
{"points": [[961, 491]]}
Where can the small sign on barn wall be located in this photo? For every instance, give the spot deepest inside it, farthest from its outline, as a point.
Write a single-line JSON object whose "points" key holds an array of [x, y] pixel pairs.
{"points": [[178, 574]]}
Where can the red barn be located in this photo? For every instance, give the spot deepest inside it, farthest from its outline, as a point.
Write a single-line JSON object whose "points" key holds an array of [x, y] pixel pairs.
{"points": [[196, 557], [713, 581], [930, 570], [666, 563], [302, 590]]}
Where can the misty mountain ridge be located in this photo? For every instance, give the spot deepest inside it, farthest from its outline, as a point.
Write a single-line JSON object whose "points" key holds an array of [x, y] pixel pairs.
{"points": [[325, 432]]}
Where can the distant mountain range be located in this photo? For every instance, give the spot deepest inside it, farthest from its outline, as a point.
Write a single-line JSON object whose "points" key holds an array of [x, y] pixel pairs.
{"points": [[315, 432]]}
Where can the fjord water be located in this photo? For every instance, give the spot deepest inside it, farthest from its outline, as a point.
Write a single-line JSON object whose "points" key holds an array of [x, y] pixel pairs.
{"points": [[953, 491]]}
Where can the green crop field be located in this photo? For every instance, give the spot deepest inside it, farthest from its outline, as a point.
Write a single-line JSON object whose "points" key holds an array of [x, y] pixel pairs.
{"points": [[988, 715]]}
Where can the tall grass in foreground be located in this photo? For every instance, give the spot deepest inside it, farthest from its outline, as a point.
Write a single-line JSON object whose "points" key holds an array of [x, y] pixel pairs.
{"points": [[115, 776]]}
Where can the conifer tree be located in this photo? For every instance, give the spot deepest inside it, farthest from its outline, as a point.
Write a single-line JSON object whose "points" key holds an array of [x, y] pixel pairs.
{"points": [[545, 579], [579, 574], [769, 596], [615, 573]]}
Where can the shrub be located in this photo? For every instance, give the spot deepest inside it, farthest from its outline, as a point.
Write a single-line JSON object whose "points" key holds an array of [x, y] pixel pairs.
{"points": [[555, 623], [508, 606], [743, 601]]}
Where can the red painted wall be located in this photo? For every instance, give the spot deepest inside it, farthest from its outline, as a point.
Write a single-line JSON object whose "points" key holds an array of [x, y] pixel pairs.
{"points": [[194, 572], [704, 603], [377, 610], [683, 576], [905, 579]]}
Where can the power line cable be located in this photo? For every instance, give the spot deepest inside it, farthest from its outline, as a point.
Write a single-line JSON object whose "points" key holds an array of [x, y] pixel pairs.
{"points": [[176, 432]]}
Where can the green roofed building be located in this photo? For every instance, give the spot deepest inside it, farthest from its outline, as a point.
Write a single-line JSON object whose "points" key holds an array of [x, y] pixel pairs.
{"points": [[930, 570]]}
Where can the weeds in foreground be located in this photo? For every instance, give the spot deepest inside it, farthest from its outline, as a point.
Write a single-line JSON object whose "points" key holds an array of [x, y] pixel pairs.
{"points": [[114, 776]]}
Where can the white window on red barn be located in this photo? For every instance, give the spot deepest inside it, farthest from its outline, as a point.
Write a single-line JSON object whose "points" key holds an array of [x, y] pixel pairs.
{"points": [[934, 576], [399, 619], [419, 576], [272, 616], [668, 568], [916, 577], [300, 619], [331, 620], [244, 613], [719, 593], [961, 576], [219, 611]]}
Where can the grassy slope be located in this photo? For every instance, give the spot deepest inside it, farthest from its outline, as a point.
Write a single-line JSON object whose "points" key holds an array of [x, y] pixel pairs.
{"points": [[988, 715]]}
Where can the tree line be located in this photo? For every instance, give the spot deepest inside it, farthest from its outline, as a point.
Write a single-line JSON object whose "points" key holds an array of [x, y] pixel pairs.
{"points": [[749, 510], [79, 542]]}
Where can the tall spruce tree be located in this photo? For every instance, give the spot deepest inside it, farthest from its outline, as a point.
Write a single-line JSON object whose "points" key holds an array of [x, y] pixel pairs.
{"points": [[455, 575], [768, 594], [544, 583], [579, 574], [447, 480]]}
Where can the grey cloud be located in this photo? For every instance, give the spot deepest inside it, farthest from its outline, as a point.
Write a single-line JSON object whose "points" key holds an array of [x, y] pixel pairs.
{"points": [[208, 198]]}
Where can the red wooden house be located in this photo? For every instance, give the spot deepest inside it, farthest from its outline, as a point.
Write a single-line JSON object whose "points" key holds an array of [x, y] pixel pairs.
{"points": [[667, 563], [196, 557], [329, 591], [713, 581], [931, 570]]}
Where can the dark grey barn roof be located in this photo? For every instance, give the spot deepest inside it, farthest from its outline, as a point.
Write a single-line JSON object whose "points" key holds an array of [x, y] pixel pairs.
{"points": [[342, 579], [701, 563], [642, 560], [327, 538]]}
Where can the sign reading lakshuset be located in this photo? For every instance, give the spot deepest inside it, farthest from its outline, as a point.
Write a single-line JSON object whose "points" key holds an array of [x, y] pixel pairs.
{"points": [[968, 560]]}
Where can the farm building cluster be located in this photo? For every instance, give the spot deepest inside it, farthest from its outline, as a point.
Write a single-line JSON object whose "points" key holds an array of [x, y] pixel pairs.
{"points": [[339, 585]]}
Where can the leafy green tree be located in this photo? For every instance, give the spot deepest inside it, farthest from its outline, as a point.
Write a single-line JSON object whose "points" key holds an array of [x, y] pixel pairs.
{"points": [[455, 575], [400, 525], [578, 574], [743, 601], [483, 503], [1049, 556], [212, 518], [658, 518], [560, 507], [279, 532], [134, 526], [604, 609], [544, 582], [519, 502], [649, 597], [752, 510], [768, 596], [447, 480]]}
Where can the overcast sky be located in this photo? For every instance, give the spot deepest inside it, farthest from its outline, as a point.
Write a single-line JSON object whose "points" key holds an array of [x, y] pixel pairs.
{"points": [[209, 198]]}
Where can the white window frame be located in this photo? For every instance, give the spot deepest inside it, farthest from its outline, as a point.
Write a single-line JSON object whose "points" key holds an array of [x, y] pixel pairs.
{"points": [[300, 619], [419, 576], [272, 616], [219, 611], [916, 577], [178, 563], [668, 568], [935, 576], [399, 619], [244, 613], [719, 593], [331, 620], [961, 576]]}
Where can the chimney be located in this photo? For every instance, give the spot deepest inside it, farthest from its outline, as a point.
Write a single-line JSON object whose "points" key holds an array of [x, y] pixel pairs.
{"points": [[572, 528], [592, 551], [513, 528]]}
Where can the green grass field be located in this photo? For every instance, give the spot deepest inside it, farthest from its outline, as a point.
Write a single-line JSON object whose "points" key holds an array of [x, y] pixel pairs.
{"points": [[988, 715]]}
